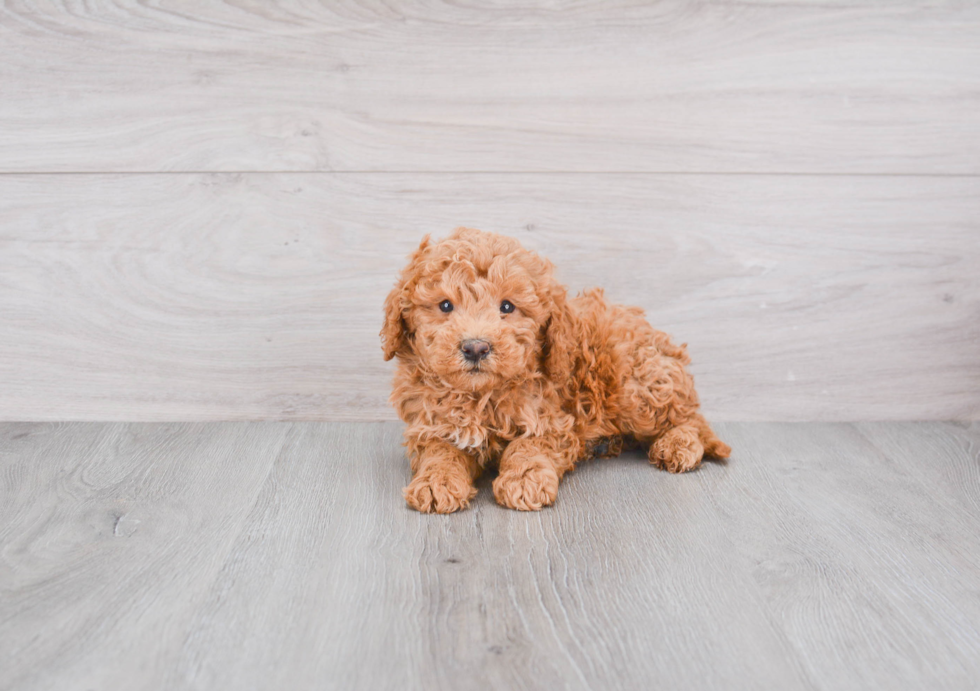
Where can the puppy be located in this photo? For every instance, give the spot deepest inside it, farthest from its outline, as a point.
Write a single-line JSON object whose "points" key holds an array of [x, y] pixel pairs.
{"points": [[496, 365]]}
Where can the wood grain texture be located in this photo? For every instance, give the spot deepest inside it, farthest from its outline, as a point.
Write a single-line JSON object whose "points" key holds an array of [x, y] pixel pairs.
{"points": [[849, 86], [281, 555], [370, 594], [170, 297], [836, 533], [914, 446], [109, 535]]}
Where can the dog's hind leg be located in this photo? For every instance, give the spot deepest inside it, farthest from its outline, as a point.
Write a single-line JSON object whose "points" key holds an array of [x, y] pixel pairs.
{"points": [[682, 447], [677, 435], [713, 446], [677, 450]]}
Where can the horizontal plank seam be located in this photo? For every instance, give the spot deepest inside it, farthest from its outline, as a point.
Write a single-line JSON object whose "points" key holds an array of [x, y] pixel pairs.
{"points": [[367, 419], [691, 173]]}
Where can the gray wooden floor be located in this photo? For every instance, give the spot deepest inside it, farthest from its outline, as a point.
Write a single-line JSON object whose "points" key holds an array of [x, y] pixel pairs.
{"points": [[281, 556]]}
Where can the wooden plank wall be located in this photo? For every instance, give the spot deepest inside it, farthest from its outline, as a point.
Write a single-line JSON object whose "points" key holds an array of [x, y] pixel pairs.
{"points": [[202, 205]]}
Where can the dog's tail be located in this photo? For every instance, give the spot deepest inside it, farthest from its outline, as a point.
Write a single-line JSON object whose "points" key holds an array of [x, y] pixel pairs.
{"points": [[713, 446]]}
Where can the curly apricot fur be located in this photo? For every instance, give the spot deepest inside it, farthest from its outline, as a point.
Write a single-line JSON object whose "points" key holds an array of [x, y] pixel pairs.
{"points": [[563, 378]]}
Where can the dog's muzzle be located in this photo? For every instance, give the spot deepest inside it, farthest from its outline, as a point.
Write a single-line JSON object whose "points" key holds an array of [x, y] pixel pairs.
{"points": [[475, 349]]}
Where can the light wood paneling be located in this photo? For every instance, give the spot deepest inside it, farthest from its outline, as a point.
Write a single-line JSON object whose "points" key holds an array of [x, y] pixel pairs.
{"points": [[252, 295], [259, 296], [849, 86], [271, 555]]}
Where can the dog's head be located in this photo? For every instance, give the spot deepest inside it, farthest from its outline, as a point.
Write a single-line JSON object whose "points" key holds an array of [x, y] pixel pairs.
{"points": [[477, 310]]}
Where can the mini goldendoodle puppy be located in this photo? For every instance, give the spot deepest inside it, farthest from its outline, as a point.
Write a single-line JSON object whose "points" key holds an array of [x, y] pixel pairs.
{"points": [[497, 365]]}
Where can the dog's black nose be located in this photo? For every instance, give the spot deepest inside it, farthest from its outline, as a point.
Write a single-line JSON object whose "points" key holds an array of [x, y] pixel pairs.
{"points": [[474, 349]]}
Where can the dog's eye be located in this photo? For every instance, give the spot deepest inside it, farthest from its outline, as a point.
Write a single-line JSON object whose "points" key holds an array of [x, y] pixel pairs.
{"points": [[506, 307], [446, 306]]}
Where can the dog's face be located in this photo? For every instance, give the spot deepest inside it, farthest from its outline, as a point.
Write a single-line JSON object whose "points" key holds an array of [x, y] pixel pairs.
{"points": [[475, 310]]}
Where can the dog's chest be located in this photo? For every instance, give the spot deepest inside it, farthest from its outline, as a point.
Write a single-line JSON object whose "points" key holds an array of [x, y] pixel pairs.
{"points": [[486, 429], [471, 436], [472, 429]]}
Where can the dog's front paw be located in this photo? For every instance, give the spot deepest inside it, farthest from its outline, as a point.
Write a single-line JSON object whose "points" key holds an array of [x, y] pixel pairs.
{"points": [[439, 492], [526, 488]]}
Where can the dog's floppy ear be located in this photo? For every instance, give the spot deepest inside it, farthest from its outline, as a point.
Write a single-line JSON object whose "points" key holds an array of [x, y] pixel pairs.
{"points": [[394, 334], [559, 338]]}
